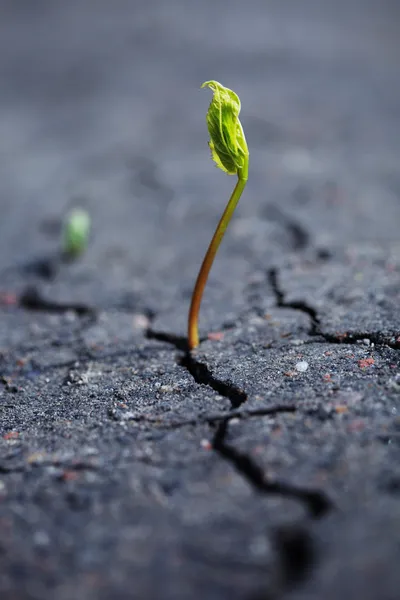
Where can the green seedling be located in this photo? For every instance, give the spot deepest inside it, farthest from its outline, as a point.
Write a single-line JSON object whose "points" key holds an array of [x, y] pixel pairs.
{"points": [[229, 151], [76, 233]]}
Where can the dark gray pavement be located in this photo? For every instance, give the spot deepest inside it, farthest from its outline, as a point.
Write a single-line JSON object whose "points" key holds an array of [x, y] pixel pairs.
{"points": [[265, 466]]}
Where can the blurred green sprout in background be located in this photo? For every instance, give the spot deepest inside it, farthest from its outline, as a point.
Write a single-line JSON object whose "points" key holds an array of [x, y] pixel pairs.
{"points": [[75, 234]]}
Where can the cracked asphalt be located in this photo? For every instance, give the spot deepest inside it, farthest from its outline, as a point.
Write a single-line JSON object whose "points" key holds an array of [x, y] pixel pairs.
{"points": [[265, 466]]}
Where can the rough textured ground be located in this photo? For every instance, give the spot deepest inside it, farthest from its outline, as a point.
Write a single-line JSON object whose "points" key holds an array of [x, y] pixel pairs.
{"points": [[266, 465]]}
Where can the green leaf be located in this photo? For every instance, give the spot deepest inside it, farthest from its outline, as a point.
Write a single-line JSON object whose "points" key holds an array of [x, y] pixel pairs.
{"points": [[227, 142], [76, 232]]}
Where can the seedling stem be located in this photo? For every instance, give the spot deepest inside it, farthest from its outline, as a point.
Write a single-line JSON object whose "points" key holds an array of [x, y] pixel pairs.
{"points": [[229, 151]]}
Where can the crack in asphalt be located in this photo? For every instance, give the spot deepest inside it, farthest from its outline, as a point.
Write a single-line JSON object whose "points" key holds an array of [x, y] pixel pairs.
{"points": [[202, 375], [345, 337], [297, 554], [294, 546], [273, 280], [180, 342], [317, 503], [200, 371], [354, 337], [32, 299]]}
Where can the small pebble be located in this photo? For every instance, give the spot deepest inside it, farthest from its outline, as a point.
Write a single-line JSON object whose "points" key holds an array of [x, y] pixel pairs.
{"points": [[206, 444], [40, 538], [140, 321], [302, 366], [216, 336]]}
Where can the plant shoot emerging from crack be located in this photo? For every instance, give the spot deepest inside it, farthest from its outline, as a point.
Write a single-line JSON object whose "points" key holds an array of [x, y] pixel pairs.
{"points": [[230, 153]]}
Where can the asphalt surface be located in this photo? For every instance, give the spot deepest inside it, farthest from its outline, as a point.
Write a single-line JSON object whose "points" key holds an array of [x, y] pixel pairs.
{"points": [[266, 465]]}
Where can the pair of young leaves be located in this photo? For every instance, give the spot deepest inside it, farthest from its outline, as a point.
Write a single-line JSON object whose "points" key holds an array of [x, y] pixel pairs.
{"points": [[227, 141]]}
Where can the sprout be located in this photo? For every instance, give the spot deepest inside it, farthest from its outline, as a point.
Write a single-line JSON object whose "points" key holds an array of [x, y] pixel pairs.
{"points": [[230, 153], [227, 142], [76, 233]]}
